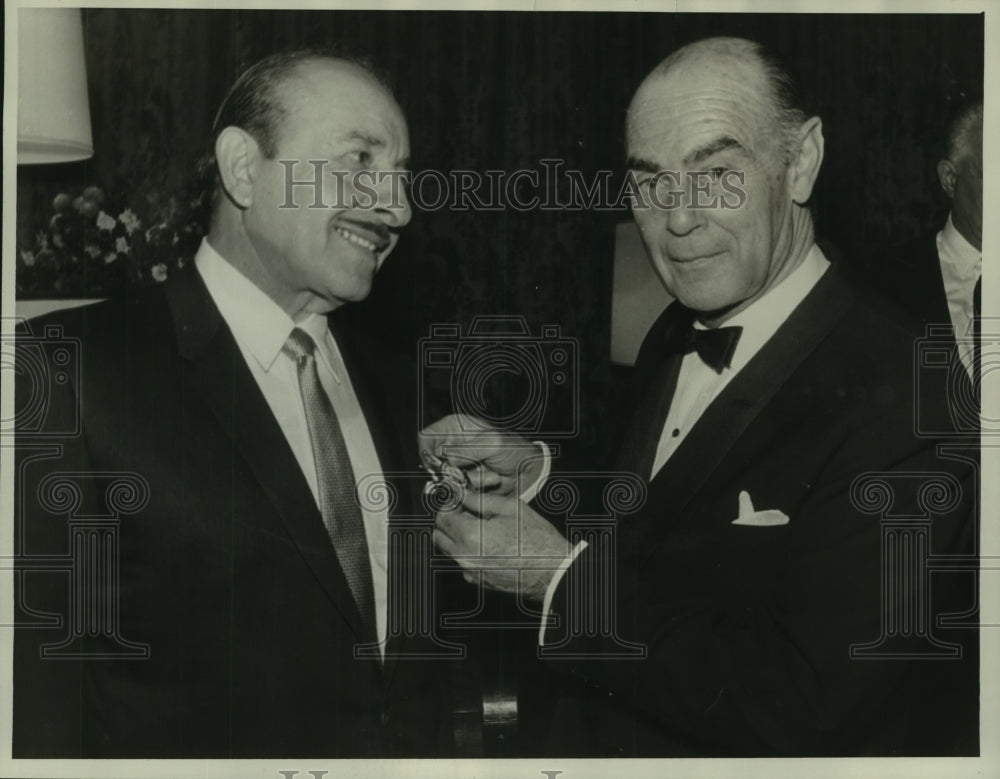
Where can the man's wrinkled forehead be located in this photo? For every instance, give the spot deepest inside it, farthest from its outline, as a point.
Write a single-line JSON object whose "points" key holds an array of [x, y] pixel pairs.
{"points": [[698, 100], [334, 82], [339, 93]]}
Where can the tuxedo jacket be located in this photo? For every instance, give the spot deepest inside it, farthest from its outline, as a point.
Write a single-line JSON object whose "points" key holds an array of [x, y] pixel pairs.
{"points": [[230, 629], [799, 638]]}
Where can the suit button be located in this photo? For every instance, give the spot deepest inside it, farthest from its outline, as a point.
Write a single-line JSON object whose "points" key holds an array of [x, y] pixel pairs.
{"points": [[383, 718]]}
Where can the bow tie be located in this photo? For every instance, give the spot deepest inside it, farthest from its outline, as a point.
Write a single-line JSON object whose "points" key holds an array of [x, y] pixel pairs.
{"points": [[715, 347]]}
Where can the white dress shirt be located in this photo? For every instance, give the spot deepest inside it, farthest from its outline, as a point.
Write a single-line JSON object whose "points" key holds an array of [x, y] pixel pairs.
{"points": [[698, 385], [260, 328], [961, 267]]}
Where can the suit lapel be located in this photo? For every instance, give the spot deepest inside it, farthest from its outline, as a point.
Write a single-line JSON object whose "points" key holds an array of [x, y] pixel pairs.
{"points": [[371, 397], [368, 393], [740, 402], [371, 388], [930, 285], [657, 374], [219, 376]]}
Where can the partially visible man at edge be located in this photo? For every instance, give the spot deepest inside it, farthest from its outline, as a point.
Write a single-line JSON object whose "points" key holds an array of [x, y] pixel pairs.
{"points": [[774, 414], [225, 392], [936, 279]]}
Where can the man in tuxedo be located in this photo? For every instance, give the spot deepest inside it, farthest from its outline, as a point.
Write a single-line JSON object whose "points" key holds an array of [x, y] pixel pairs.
{"points": [[753, 603], [935, 279], [237, 605]]}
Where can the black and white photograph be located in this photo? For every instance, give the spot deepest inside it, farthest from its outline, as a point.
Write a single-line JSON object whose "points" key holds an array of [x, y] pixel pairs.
{"points": [[499, 389]]}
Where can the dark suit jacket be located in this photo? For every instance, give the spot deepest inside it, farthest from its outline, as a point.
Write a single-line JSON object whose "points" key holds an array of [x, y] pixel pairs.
{"points": [[226, 574], [909, 276], [748, 630]]}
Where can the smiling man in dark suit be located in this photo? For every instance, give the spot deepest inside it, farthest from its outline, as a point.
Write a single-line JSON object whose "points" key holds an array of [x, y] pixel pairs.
{"points": [[774, 432], [242, 411]]}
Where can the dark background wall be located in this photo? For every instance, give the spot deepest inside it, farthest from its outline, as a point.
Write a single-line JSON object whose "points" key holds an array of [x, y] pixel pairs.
{"points": [[503, 91]]}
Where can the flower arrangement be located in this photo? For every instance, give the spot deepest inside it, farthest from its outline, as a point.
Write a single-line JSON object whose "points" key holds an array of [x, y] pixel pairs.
{"points": [[93, 245]]}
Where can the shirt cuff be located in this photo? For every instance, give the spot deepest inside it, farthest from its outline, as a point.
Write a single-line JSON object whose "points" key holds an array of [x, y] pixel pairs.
{"points": [[554, 585], [533, 489]]}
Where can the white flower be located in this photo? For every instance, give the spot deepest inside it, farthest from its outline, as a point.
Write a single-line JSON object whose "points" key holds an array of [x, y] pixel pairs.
{"points": [[159, 272], [105, 221], [121, 245], [92, 251], [94, 193], [110, 257], [28, 258], [129, 220]]}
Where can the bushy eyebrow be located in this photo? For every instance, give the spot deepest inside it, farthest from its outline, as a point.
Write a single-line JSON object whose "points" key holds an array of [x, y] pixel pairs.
{"points": [[637, 163], [370, 140], [699, 155], [723, 143], [373, 141]]}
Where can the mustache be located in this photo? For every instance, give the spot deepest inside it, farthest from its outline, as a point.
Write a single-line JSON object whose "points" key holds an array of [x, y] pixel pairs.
{"points": [[381, 230]]}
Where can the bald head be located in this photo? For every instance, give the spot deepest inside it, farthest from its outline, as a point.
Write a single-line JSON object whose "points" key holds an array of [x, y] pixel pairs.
{"points": [[770, 91], [965, 133]]}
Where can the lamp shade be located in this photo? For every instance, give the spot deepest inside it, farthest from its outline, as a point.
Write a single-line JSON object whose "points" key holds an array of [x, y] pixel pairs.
{"points": [[53, 115]]}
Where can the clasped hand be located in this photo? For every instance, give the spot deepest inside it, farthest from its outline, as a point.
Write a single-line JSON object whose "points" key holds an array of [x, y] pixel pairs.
{"points": [[492, 534]]}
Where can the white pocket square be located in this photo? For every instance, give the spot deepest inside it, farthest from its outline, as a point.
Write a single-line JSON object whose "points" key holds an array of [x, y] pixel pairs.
{"points": [[749, 516]]}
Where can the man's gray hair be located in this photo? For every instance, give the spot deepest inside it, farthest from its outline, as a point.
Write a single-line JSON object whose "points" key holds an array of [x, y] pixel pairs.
{"points": [[959, 140]]}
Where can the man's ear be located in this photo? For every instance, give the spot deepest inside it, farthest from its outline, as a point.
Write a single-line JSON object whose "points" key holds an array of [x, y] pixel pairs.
{"points": [[947, 175], [805, 166], [237, 155]]}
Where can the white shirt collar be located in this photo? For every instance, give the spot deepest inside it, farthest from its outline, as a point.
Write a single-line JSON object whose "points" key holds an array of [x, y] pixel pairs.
{"points": [[762, 318], [954, 250], [258, 324]]}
